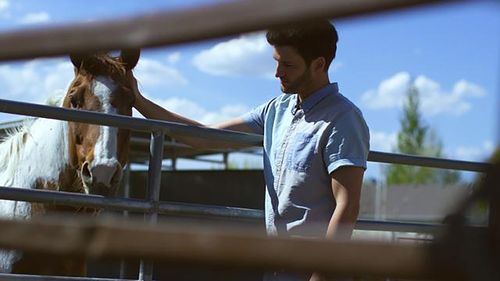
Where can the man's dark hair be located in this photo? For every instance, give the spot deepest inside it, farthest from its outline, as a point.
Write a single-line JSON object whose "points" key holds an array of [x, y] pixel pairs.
{"points": [[311, 39]]}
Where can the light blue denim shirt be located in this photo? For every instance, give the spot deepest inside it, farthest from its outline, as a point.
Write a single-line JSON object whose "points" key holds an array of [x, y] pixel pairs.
{"points": [[302, 147]]}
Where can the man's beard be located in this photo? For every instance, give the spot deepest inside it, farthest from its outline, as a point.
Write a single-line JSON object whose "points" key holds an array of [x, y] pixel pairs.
{"points": [[298, 84]]}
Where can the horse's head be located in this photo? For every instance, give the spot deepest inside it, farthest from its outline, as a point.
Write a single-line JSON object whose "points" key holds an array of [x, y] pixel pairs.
{"points": [[99, 152]]}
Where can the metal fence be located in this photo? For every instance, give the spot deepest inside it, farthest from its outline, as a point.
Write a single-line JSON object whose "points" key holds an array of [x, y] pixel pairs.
{"points": [[144, 32], [152, 206], [159, 129]]}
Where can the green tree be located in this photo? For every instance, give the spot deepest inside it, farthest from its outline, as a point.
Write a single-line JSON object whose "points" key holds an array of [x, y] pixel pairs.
{"points": [[416, 138]]}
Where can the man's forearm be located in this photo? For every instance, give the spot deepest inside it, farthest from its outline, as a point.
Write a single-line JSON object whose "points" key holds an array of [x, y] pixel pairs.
{"points": [[342, 222], [153, 111], [346, 187]]}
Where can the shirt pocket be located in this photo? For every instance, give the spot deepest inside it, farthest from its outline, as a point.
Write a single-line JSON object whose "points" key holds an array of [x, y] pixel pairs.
{"points": [[302, 152]]}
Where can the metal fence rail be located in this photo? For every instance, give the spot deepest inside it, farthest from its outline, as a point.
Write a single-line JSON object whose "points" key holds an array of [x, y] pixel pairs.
{"points": [[174, 27], [126, 204], [432, 162], [23, 277], [140, 124], [227, 246]]}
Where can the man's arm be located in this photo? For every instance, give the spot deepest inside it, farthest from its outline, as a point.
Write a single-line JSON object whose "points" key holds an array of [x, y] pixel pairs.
{"points": [[346, 187], [151, 110]]}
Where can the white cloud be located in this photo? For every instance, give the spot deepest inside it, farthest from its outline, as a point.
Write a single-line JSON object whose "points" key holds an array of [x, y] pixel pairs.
{"points": [[36, 80], [174, 58], [154, 73], [334, 68], [336, 65], [225, 113], [33, 18], [480, 152], [247, 55], [4, 9], [389, 94], [381, 141], [193, 110], [4, 5], [434, 100]]}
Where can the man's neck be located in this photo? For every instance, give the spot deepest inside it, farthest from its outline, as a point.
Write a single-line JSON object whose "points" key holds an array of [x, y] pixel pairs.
{"points": [[313, 88]]}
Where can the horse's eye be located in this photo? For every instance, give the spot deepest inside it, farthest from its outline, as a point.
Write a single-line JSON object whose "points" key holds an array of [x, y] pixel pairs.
{"points": [[78, 139], [73, 99]]}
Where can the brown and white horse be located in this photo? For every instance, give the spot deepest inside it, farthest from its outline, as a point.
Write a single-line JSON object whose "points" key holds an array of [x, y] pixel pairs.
{"points": [[68, 156]]}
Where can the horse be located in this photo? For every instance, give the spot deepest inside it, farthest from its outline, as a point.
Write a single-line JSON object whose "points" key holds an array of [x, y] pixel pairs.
{"points": [[69, 156]]}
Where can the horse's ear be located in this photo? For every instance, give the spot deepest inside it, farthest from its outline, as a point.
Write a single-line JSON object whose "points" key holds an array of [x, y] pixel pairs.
{"points": [[77, 59], [130, 57]]}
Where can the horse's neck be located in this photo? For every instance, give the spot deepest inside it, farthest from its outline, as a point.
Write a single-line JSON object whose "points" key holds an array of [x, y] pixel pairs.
{"points": [[42, 153]]}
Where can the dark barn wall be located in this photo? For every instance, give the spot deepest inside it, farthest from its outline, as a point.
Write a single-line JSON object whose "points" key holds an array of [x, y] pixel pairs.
{"points": [[235, 188]]}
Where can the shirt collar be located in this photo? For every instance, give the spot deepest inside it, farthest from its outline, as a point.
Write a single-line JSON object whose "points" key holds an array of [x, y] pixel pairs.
{"points": [[317, 96]]}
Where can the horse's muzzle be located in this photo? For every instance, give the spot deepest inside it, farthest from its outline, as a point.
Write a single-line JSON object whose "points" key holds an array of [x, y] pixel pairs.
{"points": [[101, 179], [101, 189]]}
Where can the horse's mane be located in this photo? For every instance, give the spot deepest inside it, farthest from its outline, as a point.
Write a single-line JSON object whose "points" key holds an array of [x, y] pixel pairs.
{"points": [[10, 151], [13, 143], [103, 64]]}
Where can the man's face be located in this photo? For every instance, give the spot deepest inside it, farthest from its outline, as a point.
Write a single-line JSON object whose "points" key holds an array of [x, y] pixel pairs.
{"points": [[295, 76]]}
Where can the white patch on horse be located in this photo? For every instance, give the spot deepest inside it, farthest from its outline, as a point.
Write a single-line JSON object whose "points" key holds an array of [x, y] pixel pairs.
{"points": [[105, 164], [35, 145]]}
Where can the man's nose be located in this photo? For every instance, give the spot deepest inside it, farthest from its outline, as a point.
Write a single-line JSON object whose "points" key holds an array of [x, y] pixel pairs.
{"points": [[279, 72]]}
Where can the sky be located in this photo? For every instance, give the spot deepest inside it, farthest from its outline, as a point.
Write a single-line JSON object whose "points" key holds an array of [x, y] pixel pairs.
{"points": [[451, 53]]}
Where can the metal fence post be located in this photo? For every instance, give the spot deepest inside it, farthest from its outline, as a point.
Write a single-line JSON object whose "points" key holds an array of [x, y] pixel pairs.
{"points": [[153, 193], [225, 159], [126, 194]]}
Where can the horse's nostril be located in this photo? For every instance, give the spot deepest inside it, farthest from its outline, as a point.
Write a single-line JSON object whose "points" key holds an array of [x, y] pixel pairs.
{"points": [[107, 174]]}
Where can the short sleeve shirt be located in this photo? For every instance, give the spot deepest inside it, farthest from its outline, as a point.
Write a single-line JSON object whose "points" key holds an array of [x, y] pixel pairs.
{"points": [[302, 147]]}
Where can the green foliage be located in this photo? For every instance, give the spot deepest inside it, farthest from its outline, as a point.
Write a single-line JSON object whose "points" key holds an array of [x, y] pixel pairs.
{"points": [[416, 138], [413, 132]]}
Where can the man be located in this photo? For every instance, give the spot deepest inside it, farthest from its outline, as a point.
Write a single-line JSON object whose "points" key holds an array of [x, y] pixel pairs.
{"points": [[316, 141]]}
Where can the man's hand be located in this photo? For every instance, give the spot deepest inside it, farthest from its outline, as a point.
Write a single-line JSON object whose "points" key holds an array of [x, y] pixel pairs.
{"points": [[134, 87], [316, 277], [320, 277]]}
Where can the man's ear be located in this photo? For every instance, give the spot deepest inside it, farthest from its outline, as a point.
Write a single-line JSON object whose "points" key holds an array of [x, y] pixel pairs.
{"points": [[319, 64]]}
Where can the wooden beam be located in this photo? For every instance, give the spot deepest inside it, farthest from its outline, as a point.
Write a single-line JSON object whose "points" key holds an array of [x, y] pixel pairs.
{"points": [[225, 246], [175, 27]]}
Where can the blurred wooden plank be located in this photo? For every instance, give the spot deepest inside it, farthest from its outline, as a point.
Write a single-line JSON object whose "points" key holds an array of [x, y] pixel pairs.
{"points": [[226, 246], [174, 27]]}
